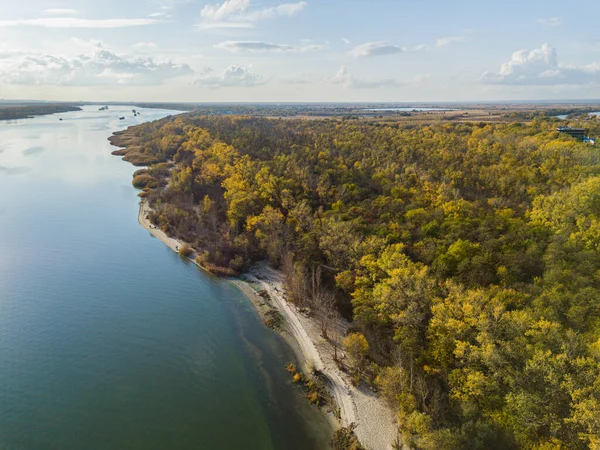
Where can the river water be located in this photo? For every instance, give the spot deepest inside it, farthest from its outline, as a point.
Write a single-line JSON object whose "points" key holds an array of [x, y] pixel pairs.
{"points": [[108, 340]]}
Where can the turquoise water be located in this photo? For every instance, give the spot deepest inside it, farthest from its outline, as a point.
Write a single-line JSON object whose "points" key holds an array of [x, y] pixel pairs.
{"points": [[108, 340]]}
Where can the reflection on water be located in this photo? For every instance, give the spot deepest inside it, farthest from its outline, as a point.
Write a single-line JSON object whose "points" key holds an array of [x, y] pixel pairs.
{"points": [[109, 340]]}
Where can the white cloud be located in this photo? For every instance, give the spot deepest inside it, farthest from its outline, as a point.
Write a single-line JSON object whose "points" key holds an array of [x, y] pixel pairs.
{"points": [[61, 12], [285, 10], [88, 43], [218, 25], [163, 14], [371, 49], [375, 49], [145, 45], [540, 66], [225, 10], [442, 42], [100, 66], [233, 76], [344, 78], [239, 14], [302, 79], [259, 46], [550, 22], [346, 41], [72, 22]]}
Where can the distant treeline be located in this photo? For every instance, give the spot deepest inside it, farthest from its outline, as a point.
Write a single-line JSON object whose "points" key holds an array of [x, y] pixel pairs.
{"points": [[260, 110], [553, 112], [279, 110], [22, 112], [466, 254]]}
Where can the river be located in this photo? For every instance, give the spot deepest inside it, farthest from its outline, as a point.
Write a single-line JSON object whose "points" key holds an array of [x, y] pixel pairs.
{"points": [[108, 340]]}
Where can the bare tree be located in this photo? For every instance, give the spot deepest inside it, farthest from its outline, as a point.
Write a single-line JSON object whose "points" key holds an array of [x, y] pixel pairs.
{"points": [[295, 279], [324, 303]]}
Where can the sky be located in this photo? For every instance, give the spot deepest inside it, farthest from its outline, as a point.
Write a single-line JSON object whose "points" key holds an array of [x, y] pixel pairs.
{"points": [[299, 51]]}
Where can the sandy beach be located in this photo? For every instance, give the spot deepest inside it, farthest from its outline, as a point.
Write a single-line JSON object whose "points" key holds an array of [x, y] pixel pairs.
{"points": [[375, 425]]}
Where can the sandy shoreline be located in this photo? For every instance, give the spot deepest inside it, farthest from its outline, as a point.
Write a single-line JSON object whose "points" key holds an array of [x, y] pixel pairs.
{"points": [[375, 425]]}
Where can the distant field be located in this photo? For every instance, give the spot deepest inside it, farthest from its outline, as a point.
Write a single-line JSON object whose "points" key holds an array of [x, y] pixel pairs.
{"points": [[377, 112], [12, 112], [386, 112]]}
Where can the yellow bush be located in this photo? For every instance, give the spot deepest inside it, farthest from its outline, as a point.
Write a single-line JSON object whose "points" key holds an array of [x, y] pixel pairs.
{"points": [[186, 251], [357, 346]]}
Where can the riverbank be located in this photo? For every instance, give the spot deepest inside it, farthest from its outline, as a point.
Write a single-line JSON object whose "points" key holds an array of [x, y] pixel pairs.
{"points": [[27, 111], [375, 425]]}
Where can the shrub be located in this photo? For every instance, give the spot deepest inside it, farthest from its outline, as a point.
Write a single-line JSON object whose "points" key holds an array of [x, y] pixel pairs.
{"points": [[314, 398], [144, 181], [357, 347], [160, 170], [186, 251], [237, 263], [202, 258], [137, 158], [392, 382], [140, 172], [273, 319], [345, 439], [312, 367], [219, 271]]}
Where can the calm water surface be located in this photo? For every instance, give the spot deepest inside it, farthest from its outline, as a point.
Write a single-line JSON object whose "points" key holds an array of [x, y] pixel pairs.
{"points": [[108, 340]]}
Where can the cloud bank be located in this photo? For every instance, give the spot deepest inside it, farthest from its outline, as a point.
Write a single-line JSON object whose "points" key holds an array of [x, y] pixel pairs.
{"points": [[344, 78], [233, 76], [73, 22], [240, 14], [99, 67], [259, 46], [372, 49], [540, 66]]}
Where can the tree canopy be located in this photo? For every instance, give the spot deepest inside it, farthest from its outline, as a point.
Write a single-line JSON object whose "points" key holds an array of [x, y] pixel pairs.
{"points": [[467, 256]]}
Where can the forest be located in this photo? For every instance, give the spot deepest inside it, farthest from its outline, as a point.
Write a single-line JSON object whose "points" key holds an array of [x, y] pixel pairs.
{"points": [[466, 255]]}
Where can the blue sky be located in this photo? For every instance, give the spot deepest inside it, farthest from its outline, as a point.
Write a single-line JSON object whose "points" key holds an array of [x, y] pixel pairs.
{"points": [[313, 50]]}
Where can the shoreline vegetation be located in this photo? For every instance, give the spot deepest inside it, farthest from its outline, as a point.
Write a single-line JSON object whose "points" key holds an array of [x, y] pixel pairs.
{"points": [[14, 112], [355, 413], [446, 270], [353, 408]]}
